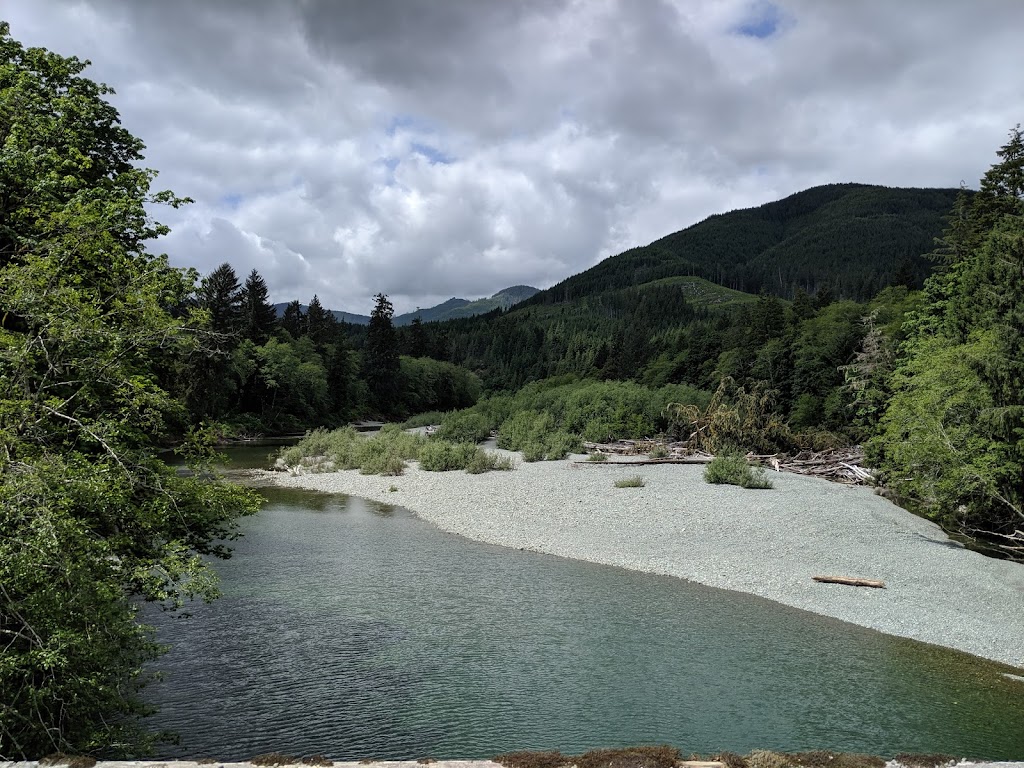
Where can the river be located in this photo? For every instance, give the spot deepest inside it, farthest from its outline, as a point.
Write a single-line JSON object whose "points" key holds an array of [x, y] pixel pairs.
{"points": [[356, 630]]}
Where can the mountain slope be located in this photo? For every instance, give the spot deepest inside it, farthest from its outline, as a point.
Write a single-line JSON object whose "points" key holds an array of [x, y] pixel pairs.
{"points": [[451, 309], [853, 239]]}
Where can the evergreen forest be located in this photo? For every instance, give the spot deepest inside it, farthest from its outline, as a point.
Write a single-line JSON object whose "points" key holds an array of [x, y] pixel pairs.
{"points": [[843, 315]]}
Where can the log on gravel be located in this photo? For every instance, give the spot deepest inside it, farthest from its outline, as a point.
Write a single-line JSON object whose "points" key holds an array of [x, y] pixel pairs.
{"points": [[850, 581], [689, 460]]}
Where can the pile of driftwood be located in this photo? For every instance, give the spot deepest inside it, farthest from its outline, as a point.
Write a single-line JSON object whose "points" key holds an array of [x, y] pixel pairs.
{"points": [[841, 466]]}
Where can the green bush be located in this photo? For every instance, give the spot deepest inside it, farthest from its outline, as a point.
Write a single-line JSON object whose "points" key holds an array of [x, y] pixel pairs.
{"points": [[383, 454], [537, 437], [733, 469], [444, 456], [560, 444], [533, 451], [464, 427], [427, 419], [486, 461], [631, 482], [658, 452], [597, 457]]}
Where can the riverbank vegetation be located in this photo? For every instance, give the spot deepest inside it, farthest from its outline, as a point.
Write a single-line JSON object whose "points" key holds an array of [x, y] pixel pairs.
{"points": [[387, 453], [93, 328], [732, 468]]}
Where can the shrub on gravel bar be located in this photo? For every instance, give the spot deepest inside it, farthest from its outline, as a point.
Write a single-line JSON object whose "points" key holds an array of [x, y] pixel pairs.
{"points": [[733, 469], [631, 482]]}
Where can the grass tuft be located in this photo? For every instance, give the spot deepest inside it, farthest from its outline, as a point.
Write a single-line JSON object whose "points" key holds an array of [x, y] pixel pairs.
{"points": [[528, 759], [597, 457], [732, 469], [762, 758], [631, 482], [731, 760], [631, 757], [274, 758]]}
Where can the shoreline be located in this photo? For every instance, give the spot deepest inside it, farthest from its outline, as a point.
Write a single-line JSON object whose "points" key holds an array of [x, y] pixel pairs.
{"points": [[768, 543]]}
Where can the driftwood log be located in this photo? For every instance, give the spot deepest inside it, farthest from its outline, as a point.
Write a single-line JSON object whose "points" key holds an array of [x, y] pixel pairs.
{"points": [[647, 462], [850, 581], [841, 466]]}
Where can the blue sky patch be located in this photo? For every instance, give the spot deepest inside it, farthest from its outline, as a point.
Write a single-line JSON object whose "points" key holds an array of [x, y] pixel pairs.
{"points": [[434, 155], [762, 21], [231, 200]]}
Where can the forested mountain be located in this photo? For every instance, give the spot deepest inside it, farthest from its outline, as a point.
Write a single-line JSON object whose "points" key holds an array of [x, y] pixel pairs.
{"points": [[451, 309], [850, 239]]}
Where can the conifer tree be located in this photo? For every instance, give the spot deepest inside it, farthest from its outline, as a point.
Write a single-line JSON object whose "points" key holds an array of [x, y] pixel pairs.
{"points": [[258, 318], [952, 437], [294, 320], [380, 356], [221, 295], [320, 323]]}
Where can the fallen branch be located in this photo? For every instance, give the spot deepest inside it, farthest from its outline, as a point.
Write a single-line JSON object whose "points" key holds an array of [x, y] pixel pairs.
{"points": [[850, 581], [645, 462]]}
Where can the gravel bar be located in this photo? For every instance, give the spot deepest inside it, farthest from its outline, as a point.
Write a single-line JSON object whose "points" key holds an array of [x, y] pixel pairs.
{"points": [[768, 543]]}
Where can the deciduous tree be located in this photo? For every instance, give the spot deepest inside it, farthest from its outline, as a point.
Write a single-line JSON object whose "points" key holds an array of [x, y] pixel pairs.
{"points": [[90, 519]]}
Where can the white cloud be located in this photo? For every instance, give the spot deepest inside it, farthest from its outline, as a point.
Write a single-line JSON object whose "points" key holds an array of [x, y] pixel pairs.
{"points": [[430, 149]]}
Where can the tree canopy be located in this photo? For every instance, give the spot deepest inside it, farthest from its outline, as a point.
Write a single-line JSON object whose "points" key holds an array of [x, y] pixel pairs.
{"points": [[952, 437], [90, 519]]}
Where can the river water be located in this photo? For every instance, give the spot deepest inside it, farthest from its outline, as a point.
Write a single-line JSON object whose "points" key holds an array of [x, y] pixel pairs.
{"points": [[356, 630]]}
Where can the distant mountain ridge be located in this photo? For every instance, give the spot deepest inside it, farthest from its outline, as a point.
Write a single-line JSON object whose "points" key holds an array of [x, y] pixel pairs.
{"points": [[452, 309], [851, 239]]}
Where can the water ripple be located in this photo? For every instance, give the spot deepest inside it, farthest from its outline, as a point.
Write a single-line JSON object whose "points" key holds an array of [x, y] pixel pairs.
{"points": [[354, 634]]}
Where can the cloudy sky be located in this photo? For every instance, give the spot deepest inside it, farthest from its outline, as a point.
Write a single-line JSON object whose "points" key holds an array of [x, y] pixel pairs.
{"points": [[438, 148]]}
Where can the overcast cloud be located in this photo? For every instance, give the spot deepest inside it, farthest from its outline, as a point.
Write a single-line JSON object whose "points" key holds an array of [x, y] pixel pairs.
{"points": [[438, 148]]}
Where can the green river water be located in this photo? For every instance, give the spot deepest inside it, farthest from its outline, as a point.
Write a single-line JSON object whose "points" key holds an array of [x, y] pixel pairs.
{"points": [[356, 630]]}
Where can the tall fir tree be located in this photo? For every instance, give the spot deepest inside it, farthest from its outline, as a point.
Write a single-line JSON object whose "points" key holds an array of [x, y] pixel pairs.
{"points": [[294, 320], [221, 296], [380, 357], [257, 316], [321, 324]]}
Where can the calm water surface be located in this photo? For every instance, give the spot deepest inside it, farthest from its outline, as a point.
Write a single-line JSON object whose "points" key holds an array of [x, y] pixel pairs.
{"points": [[354, 629]]}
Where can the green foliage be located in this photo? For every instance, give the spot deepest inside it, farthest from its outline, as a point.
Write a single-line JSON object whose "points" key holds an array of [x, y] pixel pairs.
{"points": [[951, 439], [464, 427], [381, 363], [488, 461], [536, 436], [930, 443], [92, 522], [445, 456], [851, 237], [597, 457], [431, 385], [733, 417], [384, 453], [221, 296], [426, 419], [732, 468], [257, 318], [636, 481]]}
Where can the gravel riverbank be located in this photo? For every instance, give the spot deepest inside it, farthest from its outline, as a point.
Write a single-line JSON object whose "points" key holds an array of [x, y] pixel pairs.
{"points": [[767, 543]]}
